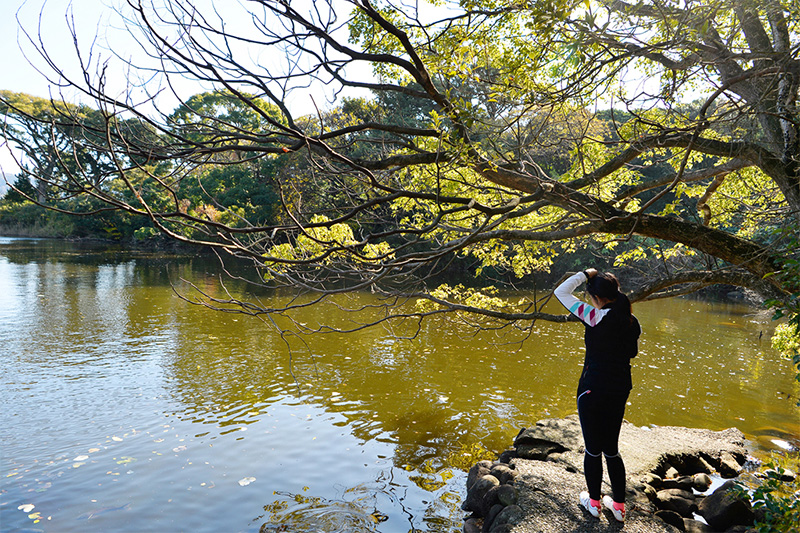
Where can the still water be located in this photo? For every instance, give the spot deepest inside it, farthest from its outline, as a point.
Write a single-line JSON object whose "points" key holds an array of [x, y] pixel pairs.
{"points": [[124, 408]]}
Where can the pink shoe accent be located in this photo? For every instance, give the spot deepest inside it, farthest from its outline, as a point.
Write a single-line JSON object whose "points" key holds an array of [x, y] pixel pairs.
{"points": [[617, 509]]}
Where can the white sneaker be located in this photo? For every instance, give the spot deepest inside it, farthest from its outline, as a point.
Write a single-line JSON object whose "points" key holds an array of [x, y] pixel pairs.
{"points": [[587, 504], [608, 503]]}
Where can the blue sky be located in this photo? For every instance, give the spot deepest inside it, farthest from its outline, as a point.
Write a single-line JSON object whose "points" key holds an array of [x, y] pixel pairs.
{"points": [[93, 18], [17, 74]]}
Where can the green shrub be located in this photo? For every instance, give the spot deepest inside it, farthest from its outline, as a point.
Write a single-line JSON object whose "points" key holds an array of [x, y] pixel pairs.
{"points": [[776, 502]]}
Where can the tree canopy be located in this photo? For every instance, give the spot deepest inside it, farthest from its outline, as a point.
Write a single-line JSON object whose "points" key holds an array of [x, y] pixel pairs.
{"points": [[662, 132]]}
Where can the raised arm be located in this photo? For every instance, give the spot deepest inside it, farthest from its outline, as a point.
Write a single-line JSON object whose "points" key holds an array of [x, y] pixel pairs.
{"points": [[586, 313]]}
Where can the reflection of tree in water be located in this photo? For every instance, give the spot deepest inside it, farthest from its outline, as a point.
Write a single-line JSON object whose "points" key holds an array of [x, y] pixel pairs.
{"points": [[301, 513], [360, 508], [430, 398]]}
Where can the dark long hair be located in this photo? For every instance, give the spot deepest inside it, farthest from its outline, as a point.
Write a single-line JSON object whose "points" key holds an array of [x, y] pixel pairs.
{"points": [[606, 285]]}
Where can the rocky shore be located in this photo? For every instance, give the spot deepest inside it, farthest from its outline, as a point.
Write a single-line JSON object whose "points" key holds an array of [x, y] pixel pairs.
{"points": [[534, 486]]}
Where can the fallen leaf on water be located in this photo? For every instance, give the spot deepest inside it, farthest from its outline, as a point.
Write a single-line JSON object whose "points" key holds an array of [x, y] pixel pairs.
{"points": [[246, 481], [125, 460], [116, 439], [92, 450], [76, 465], [81, 458], [179, 449], [34, 516], [27, 508]]}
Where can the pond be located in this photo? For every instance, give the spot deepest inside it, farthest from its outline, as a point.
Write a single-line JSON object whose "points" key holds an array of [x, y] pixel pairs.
{"points": [[127, 409]]}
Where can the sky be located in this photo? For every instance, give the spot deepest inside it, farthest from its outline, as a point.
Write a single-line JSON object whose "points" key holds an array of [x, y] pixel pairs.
{"points": [[93, 18], [17, 74]]}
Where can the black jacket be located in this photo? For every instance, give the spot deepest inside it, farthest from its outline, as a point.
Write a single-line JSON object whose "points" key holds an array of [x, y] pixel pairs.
{"points": [[611, 339], [610, 346]]}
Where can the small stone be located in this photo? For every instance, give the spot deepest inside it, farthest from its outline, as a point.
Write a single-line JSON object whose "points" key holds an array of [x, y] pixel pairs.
{"points": [[672, 473], [654, 480], [490, 499], [683, 483], [728, 467], [507, 456], [680, 493], [490, 517], [477, 501], [703, 466], [701, 482], [478, 470], [695, 526], [471, 526], [503, 473], [509, 516], [786, 475], [651, 493]]}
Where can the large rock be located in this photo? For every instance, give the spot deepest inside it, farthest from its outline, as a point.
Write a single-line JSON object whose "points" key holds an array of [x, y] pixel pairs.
{"points": [[548, 491], [672, 518], [547, 437], [680, 501], [726, 507]]}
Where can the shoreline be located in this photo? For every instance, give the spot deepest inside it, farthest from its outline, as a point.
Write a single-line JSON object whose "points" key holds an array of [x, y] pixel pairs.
{"points": [[533, 487]]}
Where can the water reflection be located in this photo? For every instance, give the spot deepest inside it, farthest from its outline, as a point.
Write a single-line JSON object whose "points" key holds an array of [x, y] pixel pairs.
{"points": [[173, 405]]}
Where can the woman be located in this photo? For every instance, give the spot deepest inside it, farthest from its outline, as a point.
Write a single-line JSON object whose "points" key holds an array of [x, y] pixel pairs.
{"points": [[611, 338]]}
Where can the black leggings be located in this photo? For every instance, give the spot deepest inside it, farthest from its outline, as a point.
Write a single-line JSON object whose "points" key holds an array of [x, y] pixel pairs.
{"points": [[601, 419]]}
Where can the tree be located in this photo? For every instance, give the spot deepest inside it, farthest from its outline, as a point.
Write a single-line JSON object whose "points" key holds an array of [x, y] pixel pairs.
{"points": [[20, 189], [679, 119]]}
